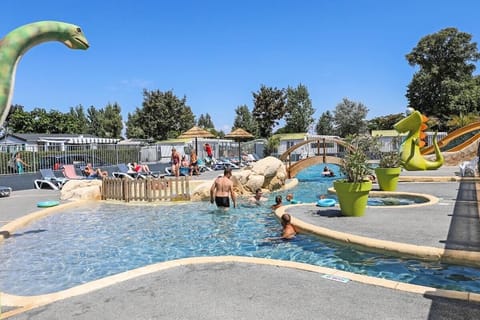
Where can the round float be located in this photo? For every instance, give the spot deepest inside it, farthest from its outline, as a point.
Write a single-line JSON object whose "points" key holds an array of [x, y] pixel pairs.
{"points": [[326, 202], [48, 203]]}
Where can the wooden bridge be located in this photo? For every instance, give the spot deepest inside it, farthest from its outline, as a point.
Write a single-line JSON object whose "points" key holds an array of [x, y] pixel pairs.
{"points": [[321, 155]]}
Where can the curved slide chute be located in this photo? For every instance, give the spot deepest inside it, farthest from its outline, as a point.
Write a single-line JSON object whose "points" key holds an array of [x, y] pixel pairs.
{"points": [[455, 135]]}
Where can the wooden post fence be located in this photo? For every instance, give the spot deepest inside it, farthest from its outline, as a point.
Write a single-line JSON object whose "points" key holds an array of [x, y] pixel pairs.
{"points": [[149, 190]]}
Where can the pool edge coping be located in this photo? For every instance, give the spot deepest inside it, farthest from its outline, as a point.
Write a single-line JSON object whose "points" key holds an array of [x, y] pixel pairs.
{"points": [[462, 257], [26, 303]]}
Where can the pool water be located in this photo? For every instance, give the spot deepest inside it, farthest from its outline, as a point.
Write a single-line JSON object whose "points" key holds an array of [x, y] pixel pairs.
{"points": [[88, 243], [313, 185]]}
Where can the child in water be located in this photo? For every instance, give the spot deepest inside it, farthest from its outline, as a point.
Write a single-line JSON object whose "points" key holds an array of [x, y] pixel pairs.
{"points": [[278, 203], [288, 231], [290, 199]]}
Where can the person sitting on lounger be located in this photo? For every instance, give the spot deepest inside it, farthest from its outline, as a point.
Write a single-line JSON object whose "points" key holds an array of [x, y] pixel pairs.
{"points": [[139, 168], [94, 173]]}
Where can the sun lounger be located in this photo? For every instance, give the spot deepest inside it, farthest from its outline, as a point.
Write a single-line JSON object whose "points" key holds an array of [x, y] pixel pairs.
{"points": [[70, 173], [49, 180], [5, 191], [202, 167], [124, 172], [183, 171], [469, 168]]}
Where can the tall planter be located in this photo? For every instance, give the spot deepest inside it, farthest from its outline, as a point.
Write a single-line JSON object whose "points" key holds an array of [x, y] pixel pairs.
{"points": [[352, 196], [388, 178]]}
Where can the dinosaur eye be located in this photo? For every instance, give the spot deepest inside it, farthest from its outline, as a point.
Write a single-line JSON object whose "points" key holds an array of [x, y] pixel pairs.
{"points": [[79, 30]]}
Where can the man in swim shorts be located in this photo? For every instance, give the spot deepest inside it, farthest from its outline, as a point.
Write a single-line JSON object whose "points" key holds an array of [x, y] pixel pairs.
{"points": [[222, 190]]}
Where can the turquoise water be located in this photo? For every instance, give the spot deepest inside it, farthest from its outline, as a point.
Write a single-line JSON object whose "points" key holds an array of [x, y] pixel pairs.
{"points": [[81, 245]]}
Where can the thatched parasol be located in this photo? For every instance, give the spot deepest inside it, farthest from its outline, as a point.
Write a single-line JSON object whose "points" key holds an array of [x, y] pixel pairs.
{"points": [[240, 135], [196, 132]]}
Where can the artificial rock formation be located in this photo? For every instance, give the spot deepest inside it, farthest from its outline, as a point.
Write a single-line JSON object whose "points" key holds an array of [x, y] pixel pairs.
{"points": [[268, 174], [82, 190]]}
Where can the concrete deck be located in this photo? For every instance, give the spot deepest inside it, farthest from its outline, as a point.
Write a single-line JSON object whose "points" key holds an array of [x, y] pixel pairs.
{"points": [[241, 288]]}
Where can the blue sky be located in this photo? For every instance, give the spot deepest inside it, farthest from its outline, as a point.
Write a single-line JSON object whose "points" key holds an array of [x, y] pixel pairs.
{"points": [[217, 53]]}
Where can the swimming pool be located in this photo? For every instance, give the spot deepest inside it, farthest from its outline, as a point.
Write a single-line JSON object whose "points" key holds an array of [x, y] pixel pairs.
{"points": [[81, 245]]}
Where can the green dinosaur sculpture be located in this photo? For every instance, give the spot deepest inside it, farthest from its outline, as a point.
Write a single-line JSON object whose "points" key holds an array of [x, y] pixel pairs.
{"points": [[411, 158], [18, 41]]}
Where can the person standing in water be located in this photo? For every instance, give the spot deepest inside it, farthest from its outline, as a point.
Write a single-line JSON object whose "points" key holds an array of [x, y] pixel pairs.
{"points": [[222, 190]]}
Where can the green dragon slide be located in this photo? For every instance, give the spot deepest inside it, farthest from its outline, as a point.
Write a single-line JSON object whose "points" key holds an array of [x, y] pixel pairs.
{"points": [[411, 158]]}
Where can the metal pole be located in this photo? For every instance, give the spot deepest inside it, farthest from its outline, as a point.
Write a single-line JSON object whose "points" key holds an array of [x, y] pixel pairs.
{"points": [[324, 152], [239, 154]]}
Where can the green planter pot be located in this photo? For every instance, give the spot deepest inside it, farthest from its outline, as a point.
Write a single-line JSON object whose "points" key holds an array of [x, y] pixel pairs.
{"points": [[352, 197], [388, 178]]}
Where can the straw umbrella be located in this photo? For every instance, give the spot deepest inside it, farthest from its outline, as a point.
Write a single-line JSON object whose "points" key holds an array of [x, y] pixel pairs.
{"points": [[239, 135], [196, 132]]}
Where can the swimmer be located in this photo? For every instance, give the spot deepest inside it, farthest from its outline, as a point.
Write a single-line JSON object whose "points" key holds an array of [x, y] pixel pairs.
{"points": [[290, 199], [258, 197], [278, 203], [288, 232]]}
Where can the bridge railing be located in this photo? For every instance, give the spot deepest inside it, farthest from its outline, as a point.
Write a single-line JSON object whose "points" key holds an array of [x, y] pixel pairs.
{"points": [[324, 150]]}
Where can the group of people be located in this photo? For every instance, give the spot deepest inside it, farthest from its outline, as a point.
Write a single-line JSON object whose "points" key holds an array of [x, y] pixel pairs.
{"points": [[222, 190], [327, 172], [179, 162]]}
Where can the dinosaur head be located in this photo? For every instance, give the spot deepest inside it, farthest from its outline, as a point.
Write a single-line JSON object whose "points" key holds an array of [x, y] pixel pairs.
{"points": [[414, 122], [74, 38]]}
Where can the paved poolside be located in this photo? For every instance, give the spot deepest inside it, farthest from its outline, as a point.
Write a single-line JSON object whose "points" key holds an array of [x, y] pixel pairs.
{"points": [[241, 288]]}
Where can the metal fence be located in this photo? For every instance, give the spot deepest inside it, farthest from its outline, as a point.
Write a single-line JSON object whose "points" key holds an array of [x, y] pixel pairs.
{"points": [[51, 157], [162, 152], [104, 155]]}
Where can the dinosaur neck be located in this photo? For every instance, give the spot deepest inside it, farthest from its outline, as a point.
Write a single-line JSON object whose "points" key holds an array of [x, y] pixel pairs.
{"points": [[23, 38], [412, 134], [14, 45]]}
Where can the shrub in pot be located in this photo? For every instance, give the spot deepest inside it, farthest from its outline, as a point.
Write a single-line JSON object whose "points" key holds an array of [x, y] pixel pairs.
{"points": [[388, 171], [352, 192]]}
